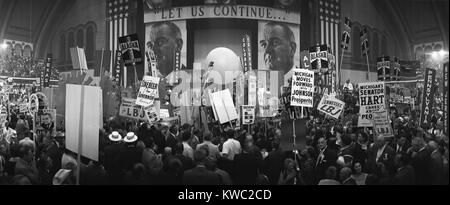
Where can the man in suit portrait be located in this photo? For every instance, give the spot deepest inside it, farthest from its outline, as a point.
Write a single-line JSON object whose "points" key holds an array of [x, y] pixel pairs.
{"points": [[165, 41], [279, 46]]}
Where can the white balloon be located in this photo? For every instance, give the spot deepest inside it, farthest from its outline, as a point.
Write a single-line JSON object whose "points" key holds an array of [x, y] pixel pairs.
{"points": [[225, 60]]}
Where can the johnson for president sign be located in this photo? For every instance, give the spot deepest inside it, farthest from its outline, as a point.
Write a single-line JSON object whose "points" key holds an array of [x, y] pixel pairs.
{"points": [[302, 88], [129, 46], [371, 99]]}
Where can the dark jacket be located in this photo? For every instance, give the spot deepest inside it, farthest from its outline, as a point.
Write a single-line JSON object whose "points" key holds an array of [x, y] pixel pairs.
{"points": [[273, 165], [387, 158], [111, 156], [187, 162], [55, 153], [404, 176], [170, 141], [248, 169], [129, 157], [437, 168], [200, 176], [349, 181], [329, 159], [356, 151], [421, 163]]}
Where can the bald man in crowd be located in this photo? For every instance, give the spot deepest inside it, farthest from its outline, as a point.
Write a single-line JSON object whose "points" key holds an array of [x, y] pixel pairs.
{"points": [[380, 152], [279, 46], [165, 40]]}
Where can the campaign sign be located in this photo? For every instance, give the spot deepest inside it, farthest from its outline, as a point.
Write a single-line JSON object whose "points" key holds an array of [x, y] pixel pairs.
{"points": [[302, 88], [148, 91], [224, 106], [131, 53], [130, 110], [381, 124], [152, 113], [34, 103], [445, 97], [248, 114], [331, 106], [428, 97], [247, 53], [371, 99], [45, 120], [47, 71], [23, 108]]}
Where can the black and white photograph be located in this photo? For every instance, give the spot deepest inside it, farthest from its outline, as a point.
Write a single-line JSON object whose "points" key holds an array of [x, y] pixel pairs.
{"points": [[222, 100]]}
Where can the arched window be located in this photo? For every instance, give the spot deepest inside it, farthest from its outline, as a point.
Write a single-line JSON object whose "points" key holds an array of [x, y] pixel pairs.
{"points": [[80, 38], [62, 48], [384, 46], [375, 50], [70, 43], [428, 49], [437, 47], [90, 36], [17, 50], [9, 49], [419, 52], [356, 42], [27, 51]]}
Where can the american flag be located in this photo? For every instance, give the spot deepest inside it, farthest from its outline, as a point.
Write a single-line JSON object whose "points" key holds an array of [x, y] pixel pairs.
{"points": [[116, 26], [329, 12]]}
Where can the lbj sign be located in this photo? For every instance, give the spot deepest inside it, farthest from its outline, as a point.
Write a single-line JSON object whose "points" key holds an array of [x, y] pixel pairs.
{"points": [[381, 124], [331, 106], [130, 110]]}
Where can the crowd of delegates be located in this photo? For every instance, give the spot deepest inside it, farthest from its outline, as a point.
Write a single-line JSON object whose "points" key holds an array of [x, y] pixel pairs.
{"points": [[164, 154], [23, 67]]}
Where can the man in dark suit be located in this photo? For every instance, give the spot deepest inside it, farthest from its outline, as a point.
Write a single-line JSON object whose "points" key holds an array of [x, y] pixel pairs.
{"points": [[380, 151], [421, 161], [405, 172], [200, 175], [401, 145], [112, 151], [171, 138], [273, 164], [436, 164], [327, 157]]}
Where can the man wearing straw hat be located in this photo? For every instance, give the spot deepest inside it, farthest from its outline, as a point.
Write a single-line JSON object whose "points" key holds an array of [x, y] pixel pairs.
{"points": [[131, 154], [112, 152]]}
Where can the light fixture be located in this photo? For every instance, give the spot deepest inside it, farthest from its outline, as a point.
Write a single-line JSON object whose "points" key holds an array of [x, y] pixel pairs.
{"points": [[443, 53], [3, 46], [439, 55]]}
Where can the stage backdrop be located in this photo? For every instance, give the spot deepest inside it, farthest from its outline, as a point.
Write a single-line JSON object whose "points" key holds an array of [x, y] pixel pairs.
{"points": [[276, 33]]}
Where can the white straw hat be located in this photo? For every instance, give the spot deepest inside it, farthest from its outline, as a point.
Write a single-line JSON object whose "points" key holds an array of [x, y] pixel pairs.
{"points": [[115, 136], [131, 137]]}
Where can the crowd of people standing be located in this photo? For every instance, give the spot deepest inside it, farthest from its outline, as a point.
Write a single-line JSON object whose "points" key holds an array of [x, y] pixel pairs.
{"points": [[170, 154]]}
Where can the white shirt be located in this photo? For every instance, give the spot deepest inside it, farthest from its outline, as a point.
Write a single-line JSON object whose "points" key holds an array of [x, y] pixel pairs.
{"points": [[380, 152], [349, 86], [231, 147]]}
